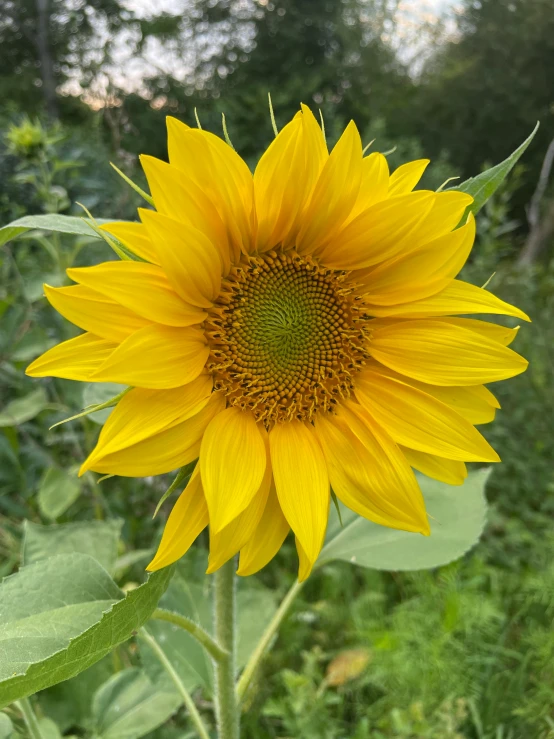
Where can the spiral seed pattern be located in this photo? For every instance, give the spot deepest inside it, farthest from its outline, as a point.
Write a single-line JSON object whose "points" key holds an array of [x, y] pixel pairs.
{"points": [[287, 337]]}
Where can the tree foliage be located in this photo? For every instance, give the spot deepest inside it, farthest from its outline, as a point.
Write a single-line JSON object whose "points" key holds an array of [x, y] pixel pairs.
{"points": [[484, 90]]}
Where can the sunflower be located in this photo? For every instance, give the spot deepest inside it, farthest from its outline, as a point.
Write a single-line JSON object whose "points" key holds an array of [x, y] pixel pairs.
{"points": [[297, 331]]}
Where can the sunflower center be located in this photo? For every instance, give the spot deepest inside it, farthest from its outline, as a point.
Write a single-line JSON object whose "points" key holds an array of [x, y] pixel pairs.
{"points": [[286, 336]]}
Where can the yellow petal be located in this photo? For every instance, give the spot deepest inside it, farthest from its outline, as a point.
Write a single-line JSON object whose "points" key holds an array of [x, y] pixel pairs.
{"points": [[135, 237], [187, 519], [267, 538], [190, 260], [156, 357], [305, 566], [374, 183], [420, 273], [75, 359], [406, 177], [302, 483], [315, 157], [449, 471], [143, 413], [378, 233], [368, 476], [406, 496], [446, 213], [285, 177], [494, 331], [168, 450], [277, 190], [335, 192], [177, 196], [143, 288], [232, 465], [221, 173], [458, 298], [227, 542], [94, 312], [474, 402], [235, 535], [418, 420], [440, 354]]}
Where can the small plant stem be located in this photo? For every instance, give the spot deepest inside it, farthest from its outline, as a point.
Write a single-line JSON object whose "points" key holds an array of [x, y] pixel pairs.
{"points": [[183, 692], [227, 713], [30, 719], [263, 644], [201, 636]]}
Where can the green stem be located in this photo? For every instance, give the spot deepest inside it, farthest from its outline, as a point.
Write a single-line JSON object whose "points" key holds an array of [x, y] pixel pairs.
{"points": [[30, 719], [183, 692], [263, 644], [224, 622], [201, 636]]}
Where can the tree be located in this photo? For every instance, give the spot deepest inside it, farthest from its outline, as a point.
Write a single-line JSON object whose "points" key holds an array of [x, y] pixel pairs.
{"points": [[484, 90], [43, 41], [328, 54], [325, 53]]}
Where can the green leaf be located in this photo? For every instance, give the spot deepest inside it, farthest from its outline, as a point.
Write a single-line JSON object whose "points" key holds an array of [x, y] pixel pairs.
{"points": [[457, 517], [96, 393], [485, 184], [129, 706], [98, 539], [61, 615], [255, 607], [24, 409], [58, 490], [6, 727], [52, 222]]}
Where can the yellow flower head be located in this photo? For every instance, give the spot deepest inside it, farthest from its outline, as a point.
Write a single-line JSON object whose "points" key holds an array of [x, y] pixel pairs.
{"points": [[293, 331]]}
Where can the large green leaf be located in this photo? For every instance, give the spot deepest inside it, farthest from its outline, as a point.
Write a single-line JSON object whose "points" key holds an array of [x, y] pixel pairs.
{"points": [[52, 222], [457, 516], [63, 614], [485, 184], [23, 409], [129, 706], [57, 491], [98, 539], [255, 607]]}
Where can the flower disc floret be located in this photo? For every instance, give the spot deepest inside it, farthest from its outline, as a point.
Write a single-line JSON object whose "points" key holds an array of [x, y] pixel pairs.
{"points": [[287, 337]]}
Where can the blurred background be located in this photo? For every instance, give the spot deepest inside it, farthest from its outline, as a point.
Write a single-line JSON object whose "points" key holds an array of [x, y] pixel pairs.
{"points": [[463, 652]]}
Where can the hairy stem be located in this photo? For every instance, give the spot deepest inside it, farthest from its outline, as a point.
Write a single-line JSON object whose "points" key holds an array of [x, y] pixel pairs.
{"points": [[183, 692], [195, 630], [263, 644], [29, 718], [224, 623]]}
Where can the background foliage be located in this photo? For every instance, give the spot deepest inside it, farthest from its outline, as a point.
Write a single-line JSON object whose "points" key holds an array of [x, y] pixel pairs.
{"points": [[464, 651]]}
